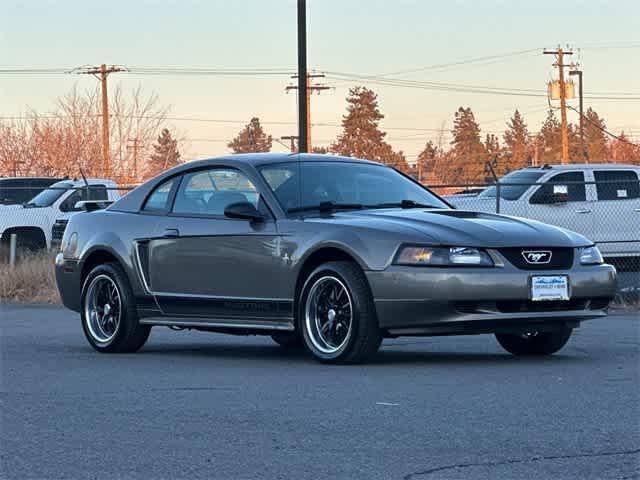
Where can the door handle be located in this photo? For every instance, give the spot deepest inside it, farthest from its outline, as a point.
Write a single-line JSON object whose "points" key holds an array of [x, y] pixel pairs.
{"points": [[583, 211], [637, 210], [171, 233]]}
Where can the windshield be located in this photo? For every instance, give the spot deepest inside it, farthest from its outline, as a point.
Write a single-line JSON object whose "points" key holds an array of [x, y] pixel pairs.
{"points": [[47, 197], [307, 184], [524, 179]]}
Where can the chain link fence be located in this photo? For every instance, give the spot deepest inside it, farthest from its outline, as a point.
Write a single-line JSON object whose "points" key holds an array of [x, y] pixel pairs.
{"points": [[37, 214], [605, 211]]}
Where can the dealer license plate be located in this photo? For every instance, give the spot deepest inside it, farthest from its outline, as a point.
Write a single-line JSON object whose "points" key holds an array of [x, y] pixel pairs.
{"points": [[549, 288]]}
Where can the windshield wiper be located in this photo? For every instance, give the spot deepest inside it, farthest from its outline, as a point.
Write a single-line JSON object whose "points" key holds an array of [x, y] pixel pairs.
{"points": [[403, 204], [327, 207]]}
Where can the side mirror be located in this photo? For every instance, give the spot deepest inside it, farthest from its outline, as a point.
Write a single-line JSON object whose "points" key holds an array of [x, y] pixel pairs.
{"points": [[560, 194], [244, 211]]}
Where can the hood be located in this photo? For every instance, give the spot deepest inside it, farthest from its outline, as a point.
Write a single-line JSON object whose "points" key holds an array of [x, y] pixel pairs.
{"points": [[463, 228], [17, 216], [483, 204], [8, 208]]}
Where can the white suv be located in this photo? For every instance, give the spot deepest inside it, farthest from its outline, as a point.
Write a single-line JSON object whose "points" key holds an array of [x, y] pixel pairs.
{"points": [[600, 201], [33, 221]]}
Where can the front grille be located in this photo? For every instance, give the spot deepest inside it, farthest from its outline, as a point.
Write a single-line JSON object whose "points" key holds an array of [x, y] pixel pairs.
{"points": [[561, 258], [57, 232]]}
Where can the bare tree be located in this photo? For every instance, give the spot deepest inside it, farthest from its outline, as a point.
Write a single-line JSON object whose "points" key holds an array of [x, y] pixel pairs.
{"points": [[70, 138]]}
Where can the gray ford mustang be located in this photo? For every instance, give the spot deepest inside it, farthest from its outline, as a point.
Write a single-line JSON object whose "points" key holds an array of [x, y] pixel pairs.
{"points": [[330, 252]]}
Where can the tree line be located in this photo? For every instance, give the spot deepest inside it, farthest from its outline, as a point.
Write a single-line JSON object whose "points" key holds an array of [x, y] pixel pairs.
{"points": [[466, 158], [69, 139]]}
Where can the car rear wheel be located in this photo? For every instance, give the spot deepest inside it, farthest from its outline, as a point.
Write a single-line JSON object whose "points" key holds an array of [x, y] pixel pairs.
{"points": [[109, 317], [535, 343], [337, 316]]}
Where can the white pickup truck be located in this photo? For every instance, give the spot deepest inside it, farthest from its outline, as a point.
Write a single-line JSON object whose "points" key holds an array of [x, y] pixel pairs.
{"points": [[33, 221], [600, 201]]}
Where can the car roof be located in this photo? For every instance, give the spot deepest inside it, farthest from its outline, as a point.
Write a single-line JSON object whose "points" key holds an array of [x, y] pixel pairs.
{"points": [[586, 166], [53, 179], [90, 181], [260, 159]]}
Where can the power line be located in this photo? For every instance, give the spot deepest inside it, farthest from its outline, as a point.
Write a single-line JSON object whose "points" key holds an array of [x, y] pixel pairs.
{"points": [[604, 130], [465, 88], [460, 62]]}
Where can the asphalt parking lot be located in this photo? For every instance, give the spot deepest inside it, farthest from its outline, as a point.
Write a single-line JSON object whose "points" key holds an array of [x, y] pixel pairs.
{"points": [[197, 405]]}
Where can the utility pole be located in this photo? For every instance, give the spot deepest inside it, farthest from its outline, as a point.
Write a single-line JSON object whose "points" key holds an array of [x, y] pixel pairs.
{"points": [[101, 73], [292, 139], [559, 53], [134, 148], [310, 88], [582, 145], [303, 116]]}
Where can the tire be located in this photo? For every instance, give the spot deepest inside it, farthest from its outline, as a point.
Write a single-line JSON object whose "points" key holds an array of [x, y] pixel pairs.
{"points": [[123, 334], [351, 334], [30, 243], [287, 340], [536, 343]]}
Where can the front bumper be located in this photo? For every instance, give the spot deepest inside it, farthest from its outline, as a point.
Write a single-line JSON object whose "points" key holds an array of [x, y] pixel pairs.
{"points": [[422, 300]]}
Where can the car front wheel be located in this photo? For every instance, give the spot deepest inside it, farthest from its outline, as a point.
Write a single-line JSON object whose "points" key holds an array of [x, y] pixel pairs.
{"points": [[535, 343], [337, 316], [109, 317]]}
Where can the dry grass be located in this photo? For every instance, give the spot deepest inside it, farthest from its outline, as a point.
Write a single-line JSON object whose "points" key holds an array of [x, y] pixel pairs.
{"points": [[31, 280]]}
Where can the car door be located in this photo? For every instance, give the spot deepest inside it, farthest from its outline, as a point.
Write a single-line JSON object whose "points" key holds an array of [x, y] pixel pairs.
{"points": [[204, 264], [617, 211], [573, 214]]}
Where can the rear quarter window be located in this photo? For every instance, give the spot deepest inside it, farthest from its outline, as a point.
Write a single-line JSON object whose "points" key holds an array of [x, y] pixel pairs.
{"points": [[159, 199], [617, 184]]}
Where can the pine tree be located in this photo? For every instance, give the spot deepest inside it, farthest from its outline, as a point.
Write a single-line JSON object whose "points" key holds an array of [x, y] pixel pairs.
{"points": [[361, 136], [624, 151], [469, 154], [165, 153], [251, 138], [549, 140], [517, 144], [493, 156], [595, 140], [426, 163]]}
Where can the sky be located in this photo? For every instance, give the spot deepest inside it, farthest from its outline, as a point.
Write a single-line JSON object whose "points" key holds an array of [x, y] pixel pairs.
{"points": [[362, 37]]}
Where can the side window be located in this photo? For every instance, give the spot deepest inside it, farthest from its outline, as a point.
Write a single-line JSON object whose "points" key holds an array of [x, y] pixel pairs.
{"points": [[158, 201], [94, 192], [97, 193], [209, 192], [617, 184], [15, 191], [574, 182]]}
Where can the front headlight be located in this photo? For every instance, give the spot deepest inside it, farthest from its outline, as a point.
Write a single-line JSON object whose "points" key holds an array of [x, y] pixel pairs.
{"points": [[443, 256], [591, 256]]}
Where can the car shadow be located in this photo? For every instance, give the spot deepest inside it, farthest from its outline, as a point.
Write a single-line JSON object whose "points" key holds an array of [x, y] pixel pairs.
{"points": [[387, 356]]}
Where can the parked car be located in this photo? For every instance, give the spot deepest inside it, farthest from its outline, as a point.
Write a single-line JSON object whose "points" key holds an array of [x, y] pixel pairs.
{"points": [[18, 190], [332, 252], [600, 201], [32, 222]]}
